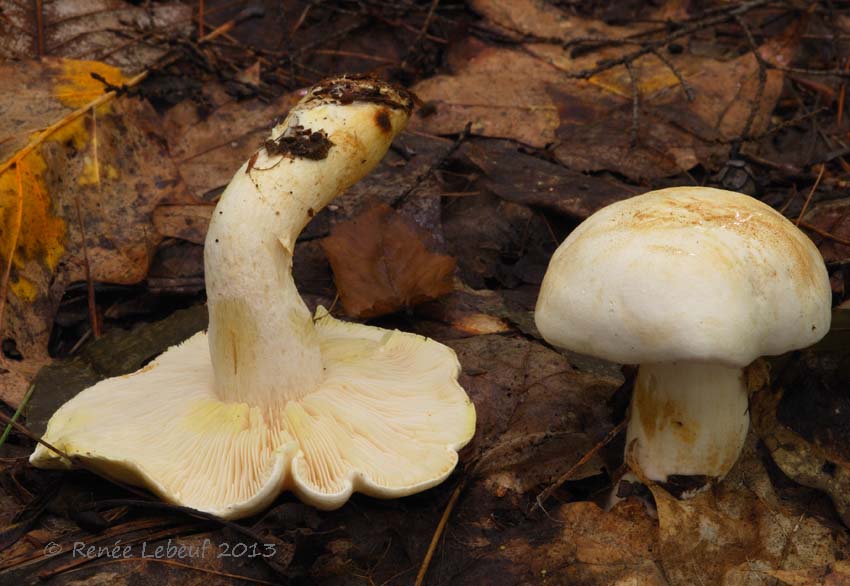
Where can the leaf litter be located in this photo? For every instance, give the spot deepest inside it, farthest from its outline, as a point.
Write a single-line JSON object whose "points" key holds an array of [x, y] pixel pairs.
{"points": [[534, 116]]}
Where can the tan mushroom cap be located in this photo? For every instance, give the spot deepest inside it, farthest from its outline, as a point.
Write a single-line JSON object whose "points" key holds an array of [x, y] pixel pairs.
{"points": [[686, 273], [387, 421]]}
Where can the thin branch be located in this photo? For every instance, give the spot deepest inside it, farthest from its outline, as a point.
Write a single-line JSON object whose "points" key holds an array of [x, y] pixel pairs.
{"points": [[689, 90], [755, 103], [809, 197], [650, 46], [438, 533], [438, 163], [146, 559], [609, 437], [633, 82], [824, 233], [39, 26]]}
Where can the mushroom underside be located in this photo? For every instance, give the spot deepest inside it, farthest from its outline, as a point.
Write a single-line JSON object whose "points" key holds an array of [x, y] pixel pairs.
{"points": [[387, 420]]}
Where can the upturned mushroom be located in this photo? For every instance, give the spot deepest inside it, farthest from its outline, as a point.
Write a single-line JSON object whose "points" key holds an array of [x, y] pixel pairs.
{"points": [[692, 284], [272, 398]]}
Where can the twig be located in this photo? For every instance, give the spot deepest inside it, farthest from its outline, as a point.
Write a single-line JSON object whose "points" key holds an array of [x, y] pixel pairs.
{"points": [[689, 90], [438, 533], [169, 563], [200, 18], [841, 95], [16, 414], [755, 103], [39, 27], [77, 461], [92, 305], [163, 506], [424, 29], [650, 46], [544, 496], [824, 233], [438, 163], [809, 197], [635, 102]]}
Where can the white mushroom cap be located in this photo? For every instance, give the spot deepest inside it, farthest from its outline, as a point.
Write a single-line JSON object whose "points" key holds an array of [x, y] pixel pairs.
{"points": [[685, 274]]}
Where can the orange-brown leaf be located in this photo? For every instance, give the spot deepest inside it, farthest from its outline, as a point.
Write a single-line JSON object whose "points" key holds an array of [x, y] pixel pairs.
{"points": [[381, 264]]}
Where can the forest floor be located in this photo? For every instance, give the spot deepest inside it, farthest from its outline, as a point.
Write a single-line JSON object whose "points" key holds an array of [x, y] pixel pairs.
{"points": [[121, 122]]}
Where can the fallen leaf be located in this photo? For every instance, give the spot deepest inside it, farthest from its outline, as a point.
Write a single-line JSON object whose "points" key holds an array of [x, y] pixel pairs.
{"points": [[381, 264], [837, 574], [522, 178], [805, 462], [736, 533], [109, 162], [185, 221], [113, 31], [209, 146], [536, 414], [524, 95], [831, 217]]}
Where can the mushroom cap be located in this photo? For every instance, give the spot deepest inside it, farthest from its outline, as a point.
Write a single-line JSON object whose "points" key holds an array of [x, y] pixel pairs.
{"points": [[686, 273], [387, 420]]}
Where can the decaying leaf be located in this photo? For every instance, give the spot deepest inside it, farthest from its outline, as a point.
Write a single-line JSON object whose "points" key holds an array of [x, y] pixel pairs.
{"points": [[594, 548], [109, 162], [523, 178], [381, 264], [109, 30], [739, 532], [832, 217], [537, 415], [837, 574], [525, 95], [208, 147], [807, 463]]}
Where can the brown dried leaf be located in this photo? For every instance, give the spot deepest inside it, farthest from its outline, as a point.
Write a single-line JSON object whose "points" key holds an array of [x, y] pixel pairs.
{"points": [[536, 414], [109, 162], [594, 548], [837, 574], [113, 31], [739, 532], [185, 221], [524, 95], [381, 264], [521, 178], [805, 462], [209, 149], [831, 217]]}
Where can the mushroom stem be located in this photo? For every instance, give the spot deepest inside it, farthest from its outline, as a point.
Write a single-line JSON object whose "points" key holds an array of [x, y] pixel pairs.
{"points": [[263, 343], [687, 419]]}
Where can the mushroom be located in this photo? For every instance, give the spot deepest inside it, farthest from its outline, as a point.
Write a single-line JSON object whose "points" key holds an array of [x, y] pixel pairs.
{"points": [[272, 398], [692, 284]]}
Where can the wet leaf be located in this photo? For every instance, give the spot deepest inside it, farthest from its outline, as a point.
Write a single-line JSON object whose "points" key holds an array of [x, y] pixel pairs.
{"points": [[381, 264], [108, 162], [522, 178], [740, 531], [523, 94], [208, 145], [109, 30], [837, 574]]}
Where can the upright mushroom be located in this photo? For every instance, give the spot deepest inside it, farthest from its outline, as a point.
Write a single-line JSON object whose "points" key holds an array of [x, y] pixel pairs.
{"points": [[272, 398], [692, 284]]}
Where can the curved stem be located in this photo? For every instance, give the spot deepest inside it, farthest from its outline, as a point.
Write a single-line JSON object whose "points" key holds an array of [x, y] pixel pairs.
{"points": [[263, 345]]}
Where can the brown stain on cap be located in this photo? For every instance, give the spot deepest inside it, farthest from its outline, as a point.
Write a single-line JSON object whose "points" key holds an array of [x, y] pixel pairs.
{"points": [[382, 119]]}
